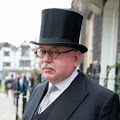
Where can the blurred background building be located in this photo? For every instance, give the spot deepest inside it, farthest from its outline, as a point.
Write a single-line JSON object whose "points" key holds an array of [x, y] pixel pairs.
{"points": [[101, 34], [15, 61]]}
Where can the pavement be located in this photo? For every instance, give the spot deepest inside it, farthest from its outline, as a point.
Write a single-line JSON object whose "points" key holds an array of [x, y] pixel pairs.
{"points": [[7, 107]]}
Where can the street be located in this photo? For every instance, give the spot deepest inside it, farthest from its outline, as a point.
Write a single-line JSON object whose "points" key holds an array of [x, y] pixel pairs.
{"points": [[7, 107]]}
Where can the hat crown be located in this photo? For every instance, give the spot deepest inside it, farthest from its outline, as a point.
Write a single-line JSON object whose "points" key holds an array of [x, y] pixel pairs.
{"points": [[61, 24]]}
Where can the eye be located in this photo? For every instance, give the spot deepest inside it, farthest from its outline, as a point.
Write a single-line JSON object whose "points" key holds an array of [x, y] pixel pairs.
{"points": [[42, 51], [53, 52]]}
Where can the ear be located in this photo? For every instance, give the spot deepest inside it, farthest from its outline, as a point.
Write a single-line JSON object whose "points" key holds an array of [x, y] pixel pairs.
{"points": [[77, 58]]}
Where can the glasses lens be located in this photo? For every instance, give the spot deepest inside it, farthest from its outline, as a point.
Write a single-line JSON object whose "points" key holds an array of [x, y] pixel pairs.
{"points": [[41, 53], [54, 53]]}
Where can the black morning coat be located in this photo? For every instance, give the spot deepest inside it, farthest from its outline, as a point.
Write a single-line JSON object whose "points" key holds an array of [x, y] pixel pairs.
{"points": [[82, 100]]}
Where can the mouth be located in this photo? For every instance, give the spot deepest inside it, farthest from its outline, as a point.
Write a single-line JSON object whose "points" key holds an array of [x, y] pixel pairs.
{"points": [[48, 68]]}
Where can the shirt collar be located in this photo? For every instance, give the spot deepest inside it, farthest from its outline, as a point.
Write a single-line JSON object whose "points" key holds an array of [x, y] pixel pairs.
{"points": [[65, 83]]}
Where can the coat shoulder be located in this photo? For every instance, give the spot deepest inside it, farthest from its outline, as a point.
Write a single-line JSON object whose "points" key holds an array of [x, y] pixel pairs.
{"points": [[100, 94], [94, 87]]}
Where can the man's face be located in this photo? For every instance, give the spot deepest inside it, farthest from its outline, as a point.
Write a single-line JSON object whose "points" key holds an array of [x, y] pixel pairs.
{"points": [[60, 68]]}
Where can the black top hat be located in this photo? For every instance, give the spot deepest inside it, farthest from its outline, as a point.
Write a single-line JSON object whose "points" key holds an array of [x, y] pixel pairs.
{"points": [[61, 27]]}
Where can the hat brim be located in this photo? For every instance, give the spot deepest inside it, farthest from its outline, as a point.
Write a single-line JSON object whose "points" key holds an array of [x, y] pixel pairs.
{"points": [[79, 47]]}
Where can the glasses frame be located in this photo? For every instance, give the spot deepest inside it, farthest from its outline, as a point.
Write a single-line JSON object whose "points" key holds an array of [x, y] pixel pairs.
{"points": [[57, 51]]}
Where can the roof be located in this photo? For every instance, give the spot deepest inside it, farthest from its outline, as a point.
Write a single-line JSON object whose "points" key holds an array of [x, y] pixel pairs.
{"points": [[6, 44]]}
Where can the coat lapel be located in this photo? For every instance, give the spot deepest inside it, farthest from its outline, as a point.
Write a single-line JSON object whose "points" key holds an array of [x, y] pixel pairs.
{"points": [[70, 99]]}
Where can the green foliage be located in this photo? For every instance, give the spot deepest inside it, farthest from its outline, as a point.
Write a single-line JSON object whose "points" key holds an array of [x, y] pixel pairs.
{"points": [[117, 77], [107, 74], [2, 87], [35, 72], [117, 81]]}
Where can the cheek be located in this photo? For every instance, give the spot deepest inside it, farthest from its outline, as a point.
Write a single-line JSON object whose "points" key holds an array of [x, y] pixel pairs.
{"points": [[65, 67]]}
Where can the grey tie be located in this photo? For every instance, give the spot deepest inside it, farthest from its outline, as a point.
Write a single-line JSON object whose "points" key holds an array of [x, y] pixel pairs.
{"points": [[45, 101]]}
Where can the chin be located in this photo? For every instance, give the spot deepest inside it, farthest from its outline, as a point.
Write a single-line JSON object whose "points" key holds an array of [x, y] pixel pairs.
{"points": [[49, 77]]}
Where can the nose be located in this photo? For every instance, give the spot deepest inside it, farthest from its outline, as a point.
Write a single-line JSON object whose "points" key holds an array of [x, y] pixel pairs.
{"points": [[47, 57]]}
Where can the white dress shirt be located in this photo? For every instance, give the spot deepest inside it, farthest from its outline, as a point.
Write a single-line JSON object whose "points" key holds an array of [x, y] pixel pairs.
{"points": [[61, 87]]}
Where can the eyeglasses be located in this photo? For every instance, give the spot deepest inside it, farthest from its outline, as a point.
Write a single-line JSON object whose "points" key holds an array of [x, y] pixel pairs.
{"points": [[53, 52]]}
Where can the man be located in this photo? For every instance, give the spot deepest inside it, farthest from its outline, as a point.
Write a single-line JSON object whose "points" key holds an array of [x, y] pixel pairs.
{"points": [[74, 96]]}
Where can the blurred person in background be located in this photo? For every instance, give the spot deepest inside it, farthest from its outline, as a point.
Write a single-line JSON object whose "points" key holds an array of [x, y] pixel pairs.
{"points": [[67, 94], [0, 81], [1, 77], [8, 84], [14, 89], [31, 84], [23, 82]]}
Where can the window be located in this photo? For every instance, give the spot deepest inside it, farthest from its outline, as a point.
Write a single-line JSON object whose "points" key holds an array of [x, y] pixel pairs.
{"points": [[25, 51], [6, 53], [25, 63], [7, 64]]}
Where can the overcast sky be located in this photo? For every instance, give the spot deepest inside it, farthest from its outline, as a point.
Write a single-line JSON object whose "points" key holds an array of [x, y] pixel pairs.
{"points": [[20, 19]]}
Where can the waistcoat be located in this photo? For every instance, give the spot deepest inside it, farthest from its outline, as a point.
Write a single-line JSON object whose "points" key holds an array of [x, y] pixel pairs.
{"points": [[45, 114]]}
